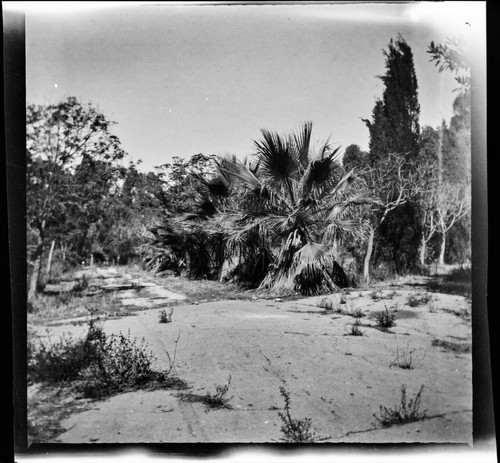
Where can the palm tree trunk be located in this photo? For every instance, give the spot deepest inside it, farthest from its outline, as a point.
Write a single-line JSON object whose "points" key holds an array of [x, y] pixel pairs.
{"points": [[443, 247], [368, 256]]}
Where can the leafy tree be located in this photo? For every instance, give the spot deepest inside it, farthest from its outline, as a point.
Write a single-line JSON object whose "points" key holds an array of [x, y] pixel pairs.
{"points": [[58, 138], [454, 188], [182, 241], [431, 142], [394, 184], [453, 204], [446, 199], [129, 212], [181, 183], [452, 56], [354, 157]]}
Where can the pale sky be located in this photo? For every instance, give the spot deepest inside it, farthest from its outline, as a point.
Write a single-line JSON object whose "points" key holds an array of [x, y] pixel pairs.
{"points": [[181, 80]]}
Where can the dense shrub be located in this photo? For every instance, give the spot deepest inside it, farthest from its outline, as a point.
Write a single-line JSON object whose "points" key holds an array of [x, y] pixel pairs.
{"points": [[98, 365], [63, 360]]}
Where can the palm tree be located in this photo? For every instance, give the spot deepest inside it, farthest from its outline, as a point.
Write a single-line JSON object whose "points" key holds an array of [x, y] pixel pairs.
{"points": [[288, 208]]}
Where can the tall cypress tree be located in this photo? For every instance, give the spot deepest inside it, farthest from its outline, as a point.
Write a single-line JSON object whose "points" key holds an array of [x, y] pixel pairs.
{"points": [[394, 130], [394, 127]]}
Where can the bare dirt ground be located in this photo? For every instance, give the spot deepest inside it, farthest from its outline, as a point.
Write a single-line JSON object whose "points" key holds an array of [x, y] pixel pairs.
{"points": [[337, 380]]}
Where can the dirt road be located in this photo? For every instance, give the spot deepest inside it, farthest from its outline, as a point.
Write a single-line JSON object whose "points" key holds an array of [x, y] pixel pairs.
{"points": [[337, 380]]}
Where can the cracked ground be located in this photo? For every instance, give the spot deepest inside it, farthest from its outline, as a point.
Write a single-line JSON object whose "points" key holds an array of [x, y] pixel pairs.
{"points": [[338, 380]]}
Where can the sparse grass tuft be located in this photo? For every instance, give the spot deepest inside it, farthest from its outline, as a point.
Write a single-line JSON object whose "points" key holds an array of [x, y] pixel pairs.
{"points": [[415, 300], [204, 290], [327, 304], [404, 358], [357, 313], [166, 317], [355, 330], [49, 308], [348, 310], [464, 314], [385, 319], [458, 348], [405, 412], [390, 295], [217, 400], [295, 431]]}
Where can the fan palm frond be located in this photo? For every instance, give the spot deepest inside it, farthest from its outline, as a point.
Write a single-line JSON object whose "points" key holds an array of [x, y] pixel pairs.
{"points": [[322, 174], [311, 254], [238, 173], [359, 199], [339, 229], [279, 164], [302, 141]]}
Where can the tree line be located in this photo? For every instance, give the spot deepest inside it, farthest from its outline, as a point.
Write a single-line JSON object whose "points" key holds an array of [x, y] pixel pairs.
{"points": [[293, 216]]}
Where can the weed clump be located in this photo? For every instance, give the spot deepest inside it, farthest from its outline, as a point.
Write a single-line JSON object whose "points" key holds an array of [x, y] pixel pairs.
{"points": [[326, 304], [385, 319], [405, 412], [217, 400], [295, 431], [355, 330], [357, 313], [404, 359], [376, 295], [414, 300], [166, 317]]}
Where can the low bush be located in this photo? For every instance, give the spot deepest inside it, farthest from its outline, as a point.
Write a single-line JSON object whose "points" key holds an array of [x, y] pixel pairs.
{"points": [[63, 360], [97, 365]]}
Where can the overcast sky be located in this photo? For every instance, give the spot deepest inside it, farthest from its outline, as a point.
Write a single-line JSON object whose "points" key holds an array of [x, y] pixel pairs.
{"points": [[181, 80]]}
